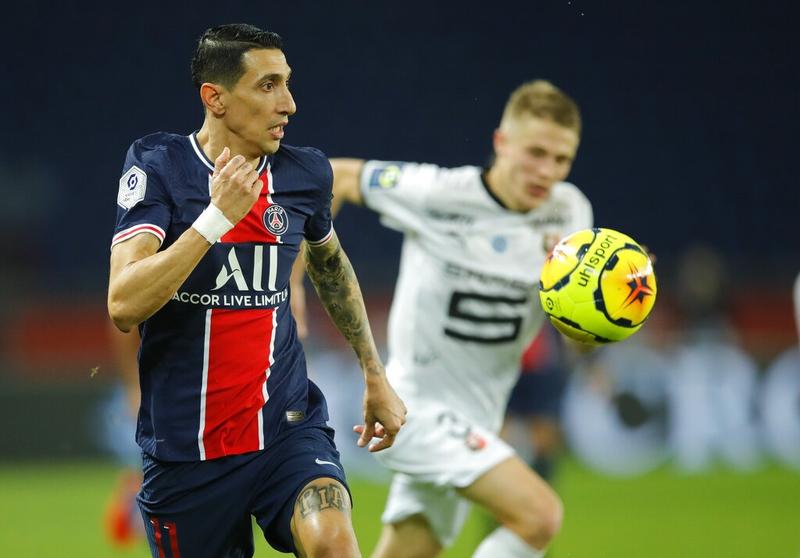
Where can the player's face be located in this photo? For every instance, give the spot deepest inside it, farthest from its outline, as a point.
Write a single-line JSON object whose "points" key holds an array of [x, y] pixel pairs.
{"points": [[531, 155], [258, 107]]}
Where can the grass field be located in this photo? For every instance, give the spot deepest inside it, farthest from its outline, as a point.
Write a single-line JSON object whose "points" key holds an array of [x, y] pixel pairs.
{"points": [[55, 511]]}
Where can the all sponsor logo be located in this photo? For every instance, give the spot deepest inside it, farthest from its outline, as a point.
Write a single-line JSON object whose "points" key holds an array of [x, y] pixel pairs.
{"points": [[257, 286]]}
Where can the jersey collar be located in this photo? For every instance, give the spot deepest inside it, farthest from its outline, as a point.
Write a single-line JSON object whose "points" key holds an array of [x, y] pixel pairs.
{"points": [[262, 162], [484, 173]]}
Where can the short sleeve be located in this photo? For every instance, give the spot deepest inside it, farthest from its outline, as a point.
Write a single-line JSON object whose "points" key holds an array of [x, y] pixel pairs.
{"points": [[584, 216], [578, 208], [398, 191], [319, 227], [143, 204]]}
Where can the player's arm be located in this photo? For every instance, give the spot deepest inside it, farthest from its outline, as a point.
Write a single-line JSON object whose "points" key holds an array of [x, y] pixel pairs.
{"points": [[346, 183], [335, 281], [346, 188], [142, 279]]}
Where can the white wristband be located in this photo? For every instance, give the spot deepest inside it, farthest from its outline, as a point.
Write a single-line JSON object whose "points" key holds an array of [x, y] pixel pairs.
{"points": [[212, 224]]}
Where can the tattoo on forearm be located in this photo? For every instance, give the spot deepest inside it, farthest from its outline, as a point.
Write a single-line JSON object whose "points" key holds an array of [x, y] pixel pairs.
{"points": [[335, 281], [314, 499]]}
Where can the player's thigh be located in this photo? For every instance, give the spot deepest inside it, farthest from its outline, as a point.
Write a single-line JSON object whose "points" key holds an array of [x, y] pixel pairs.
{"points": [[411, 537], [517, 497], [197, 508], [322, 523], [186, 534]]}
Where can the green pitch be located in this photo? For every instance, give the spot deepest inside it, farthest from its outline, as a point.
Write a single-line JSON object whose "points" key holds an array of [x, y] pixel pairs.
{"points": [[55, 511]]}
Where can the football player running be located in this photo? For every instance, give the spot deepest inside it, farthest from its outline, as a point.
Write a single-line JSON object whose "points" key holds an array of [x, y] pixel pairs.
{"points": [[465, 308], [208, 226]]}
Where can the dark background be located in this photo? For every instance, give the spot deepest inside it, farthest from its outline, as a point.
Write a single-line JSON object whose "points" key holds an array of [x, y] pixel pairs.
{"points": [[689, 110]]}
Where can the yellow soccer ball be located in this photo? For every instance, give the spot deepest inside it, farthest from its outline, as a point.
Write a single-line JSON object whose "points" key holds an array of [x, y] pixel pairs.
{"points": [[597, 286]]}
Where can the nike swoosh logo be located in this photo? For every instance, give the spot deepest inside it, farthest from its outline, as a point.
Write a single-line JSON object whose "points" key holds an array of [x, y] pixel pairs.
{"points": [[319, 461]]}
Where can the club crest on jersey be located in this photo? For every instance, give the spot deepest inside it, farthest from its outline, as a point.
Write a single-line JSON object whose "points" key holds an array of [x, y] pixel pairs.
{"points": [[276, 220]]}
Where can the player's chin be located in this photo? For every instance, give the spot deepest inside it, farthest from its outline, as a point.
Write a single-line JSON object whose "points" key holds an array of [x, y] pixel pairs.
{"points": [[270, 146], [529, 203]]}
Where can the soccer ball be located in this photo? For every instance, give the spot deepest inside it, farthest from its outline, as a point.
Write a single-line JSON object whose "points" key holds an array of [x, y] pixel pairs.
{"points": [[597, 286]]}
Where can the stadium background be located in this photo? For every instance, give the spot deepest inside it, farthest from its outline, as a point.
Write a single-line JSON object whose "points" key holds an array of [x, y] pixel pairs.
{"points": [[689, 135]]}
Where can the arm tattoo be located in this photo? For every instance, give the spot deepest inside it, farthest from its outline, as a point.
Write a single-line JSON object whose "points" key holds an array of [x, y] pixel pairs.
{"points": [[335, 281], [314, 499]]}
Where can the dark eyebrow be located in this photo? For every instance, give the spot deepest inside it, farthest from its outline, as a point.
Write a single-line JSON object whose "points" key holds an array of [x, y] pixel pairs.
{"points": [[275, 77]]}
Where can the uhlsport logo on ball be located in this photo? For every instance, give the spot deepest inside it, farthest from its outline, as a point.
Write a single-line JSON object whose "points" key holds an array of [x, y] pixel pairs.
{"points": [[598, 286]]}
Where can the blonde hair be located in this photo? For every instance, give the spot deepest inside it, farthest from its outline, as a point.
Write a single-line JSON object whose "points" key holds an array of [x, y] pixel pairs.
{"points": [[542, 99]]}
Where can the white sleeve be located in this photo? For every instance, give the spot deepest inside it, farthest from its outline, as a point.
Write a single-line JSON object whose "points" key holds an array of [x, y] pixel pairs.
{"points": [[581, 215], [399, 192], [585, 216]]}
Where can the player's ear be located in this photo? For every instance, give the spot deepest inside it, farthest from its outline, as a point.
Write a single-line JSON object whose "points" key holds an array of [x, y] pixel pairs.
{"points": [[211, 95], [498, 140]]}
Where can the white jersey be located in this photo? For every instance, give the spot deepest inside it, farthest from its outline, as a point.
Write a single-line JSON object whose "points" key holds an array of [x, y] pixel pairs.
{"points": [[466, 303]]}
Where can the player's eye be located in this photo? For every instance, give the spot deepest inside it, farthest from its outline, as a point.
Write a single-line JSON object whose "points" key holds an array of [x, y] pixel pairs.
{"points": [[268, 86]]}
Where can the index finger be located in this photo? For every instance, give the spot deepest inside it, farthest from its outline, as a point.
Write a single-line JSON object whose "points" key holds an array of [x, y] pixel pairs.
{"points": [[222, 159], [366, 434], [232, 166], [385, 442]]}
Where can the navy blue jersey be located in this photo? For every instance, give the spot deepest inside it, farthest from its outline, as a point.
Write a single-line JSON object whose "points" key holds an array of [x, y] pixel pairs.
{"points": [[221, 369]]}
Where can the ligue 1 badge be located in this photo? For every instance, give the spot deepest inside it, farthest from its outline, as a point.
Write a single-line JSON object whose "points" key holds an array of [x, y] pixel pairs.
{"points": [[276, 220], [132, 187]]}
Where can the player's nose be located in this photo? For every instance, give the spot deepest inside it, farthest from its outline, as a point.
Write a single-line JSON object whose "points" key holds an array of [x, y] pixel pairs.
{"points": [[546, 169], [286, 104]]}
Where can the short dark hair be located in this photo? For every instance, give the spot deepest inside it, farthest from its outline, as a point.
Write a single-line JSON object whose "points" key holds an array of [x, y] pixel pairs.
{"points": [[218, 56]]}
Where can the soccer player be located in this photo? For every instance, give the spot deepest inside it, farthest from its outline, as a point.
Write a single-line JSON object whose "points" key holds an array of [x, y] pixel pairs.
{"points": [[465, 308], [208, 226]]}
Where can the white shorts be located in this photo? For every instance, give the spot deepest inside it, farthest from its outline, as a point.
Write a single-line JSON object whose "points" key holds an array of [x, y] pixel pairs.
{"points": [[437, 451]]}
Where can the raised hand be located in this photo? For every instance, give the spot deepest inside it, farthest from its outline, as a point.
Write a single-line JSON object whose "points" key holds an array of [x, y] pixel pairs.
{"points": [[235, 185]]}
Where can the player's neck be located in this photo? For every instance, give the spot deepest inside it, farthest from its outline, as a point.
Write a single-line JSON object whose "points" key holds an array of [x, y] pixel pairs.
{"points": [[213, 140], [494, 180]]}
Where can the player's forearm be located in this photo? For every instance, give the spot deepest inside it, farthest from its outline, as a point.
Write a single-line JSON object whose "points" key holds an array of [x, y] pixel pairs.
{"points": [[337, 286], [139, 288]]}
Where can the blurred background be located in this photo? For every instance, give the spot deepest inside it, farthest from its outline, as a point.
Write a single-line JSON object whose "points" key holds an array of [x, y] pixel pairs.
{"points": [[684, 441]]}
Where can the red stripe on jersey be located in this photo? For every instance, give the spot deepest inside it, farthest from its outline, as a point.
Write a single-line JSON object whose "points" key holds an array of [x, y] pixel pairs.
{"points": [[239, 347], [121, 236], [251, 228]]}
